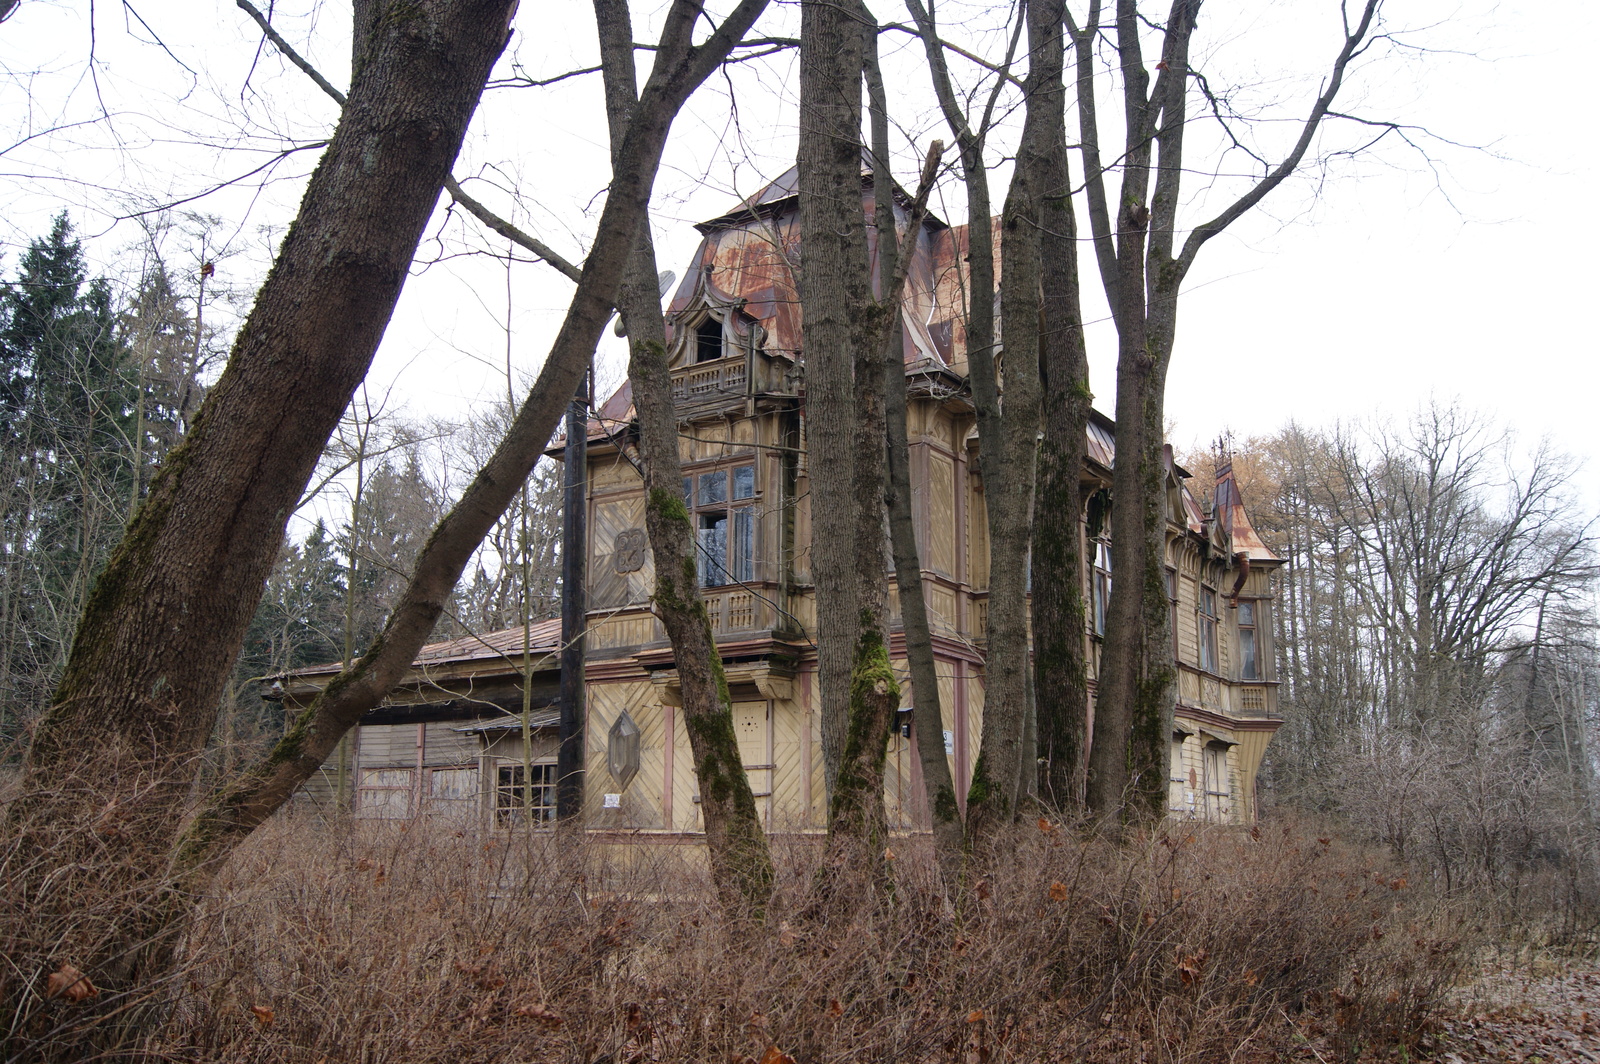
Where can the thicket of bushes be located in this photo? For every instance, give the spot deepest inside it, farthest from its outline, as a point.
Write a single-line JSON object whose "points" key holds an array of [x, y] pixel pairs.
{"points": [[421, 943]]}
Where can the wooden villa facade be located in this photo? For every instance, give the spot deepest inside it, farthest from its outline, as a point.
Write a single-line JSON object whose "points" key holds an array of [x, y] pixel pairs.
{"points": [[450, 742]]}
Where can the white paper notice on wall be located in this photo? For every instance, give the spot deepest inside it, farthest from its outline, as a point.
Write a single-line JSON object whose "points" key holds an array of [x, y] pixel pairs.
{"points": [[950, 744], [613, 801]]}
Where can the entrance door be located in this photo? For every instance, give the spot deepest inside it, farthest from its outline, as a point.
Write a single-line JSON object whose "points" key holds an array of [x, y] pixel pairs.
{"points": [[752, 724]]}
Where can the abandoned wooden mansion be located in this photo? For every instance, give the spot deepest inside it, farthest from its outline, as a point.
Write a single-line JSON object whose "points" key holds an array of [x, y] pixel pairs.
{"points": [[449, 740]]}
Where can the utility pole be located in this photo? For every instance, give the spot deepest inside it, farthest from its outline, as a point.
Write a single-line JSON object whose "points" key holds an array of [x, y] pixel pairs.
{"points": [[574, 606]]}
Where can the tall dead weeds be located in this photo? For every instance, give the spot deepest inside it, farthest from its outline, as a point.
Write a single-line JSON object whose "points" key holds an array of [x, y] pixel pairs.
{"points": [[422, 942]]}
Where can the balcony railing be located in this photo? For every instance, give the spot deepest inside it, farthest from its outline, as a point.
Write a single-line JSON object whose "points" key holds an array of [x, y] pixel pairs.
{"points": [[705, 381]]}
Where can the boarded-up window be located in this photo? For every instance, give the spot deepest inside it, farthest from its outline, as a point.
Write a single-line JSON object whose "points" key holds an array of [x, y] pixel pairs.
{"points": [[385, 793], [1180, 799], [942, 512], [750, 727], [453, 792]]}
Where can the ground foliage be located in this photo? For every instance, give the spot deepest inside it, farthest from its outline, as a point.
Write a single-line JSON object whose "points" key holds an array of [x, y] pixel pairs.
{"points": [[423, 942]]}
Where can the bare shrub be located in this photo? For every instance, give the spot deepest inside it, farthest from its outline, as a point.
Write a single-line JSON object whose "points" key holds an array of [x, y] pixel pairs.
{"points": [[422, 942], [88, 949]]}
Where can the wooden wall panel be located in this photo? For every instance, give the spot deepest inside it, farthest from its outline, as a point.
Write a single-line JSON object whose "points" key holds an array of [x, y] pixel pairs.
{"points": [[977, 538], [941, 513], [641, 800], [788, 729], [685, 788], [609, 518]]}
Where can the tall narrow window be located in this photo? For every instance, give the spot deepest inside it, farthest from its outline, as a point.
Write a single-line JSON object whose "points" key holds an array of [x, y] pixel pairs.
{"points": [[1218, 792], [708, 341], [723, 503], [1249, 643], [1172, 608], [1100, 589], [1207, 616]]}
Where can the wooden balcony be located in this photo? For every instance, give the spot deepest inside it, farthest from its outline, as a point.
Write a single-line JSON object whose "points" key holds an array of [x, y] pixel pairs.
{"points": [[704, 383]]}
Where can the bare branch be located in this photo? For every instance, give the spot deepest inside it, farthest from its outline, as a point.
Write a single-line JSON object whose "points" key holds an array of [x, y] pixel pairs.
{"points": [[1354, 42], [471, 205]]}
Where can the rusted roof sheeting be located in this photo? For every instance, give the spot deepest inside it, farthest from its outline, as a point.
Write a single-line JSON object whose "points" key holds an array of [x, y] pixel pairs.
{"points": [[543, 638], [1235, 521], [752, 251]]}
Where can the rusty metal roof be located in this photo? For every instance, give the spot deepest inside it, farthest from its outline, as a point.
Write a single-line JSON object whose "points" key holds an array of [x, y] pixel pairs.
{"points": [[1235, 522], [544, 639], [750, 254]]}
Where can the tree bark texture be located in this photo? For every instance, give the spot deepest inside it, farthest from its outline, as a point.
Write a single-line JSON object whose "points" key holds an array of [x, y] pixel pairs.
{"points": [[992, 785], [168, 615], [1061, 683], [834, 289], [1137, 680], [741, 864], [1009, 483], [140, 693]]}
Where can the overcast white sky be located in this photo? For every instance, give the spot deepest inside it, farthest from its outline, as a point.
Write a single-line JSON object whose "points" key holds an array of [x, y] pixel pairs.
{"points": [[1361, 291]]}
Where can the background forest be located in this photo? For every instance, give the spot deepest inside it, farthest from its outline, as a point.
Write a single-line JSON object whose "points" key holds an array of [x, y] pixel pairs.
{"points": [[100, 379]]}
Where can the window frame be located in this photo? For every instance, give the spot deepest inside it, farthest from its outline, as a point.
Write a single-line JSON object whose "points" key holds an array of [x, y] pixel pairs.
{"points": [[1250, 637], [702, 333], [1172, 610], [1206, 630], [735, 510], [509, 805], [1217, 801], [1100, 586]]}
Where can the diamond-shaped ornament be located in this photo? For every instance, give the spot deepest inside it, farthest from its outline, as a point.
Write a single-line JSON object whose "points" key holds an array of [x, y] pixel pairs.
{"points": [[622, 750]]}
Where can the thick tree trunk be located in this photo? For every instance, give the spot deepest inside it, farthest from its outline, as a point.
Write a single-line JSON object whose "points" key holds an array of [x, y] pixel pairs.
{"points": [[1060, 666], [1143, 274], [1121, 254], [856, 812], [168, 615], [1010, 443], [741, 864], [983, 792], [140, 693], [833, 288]]}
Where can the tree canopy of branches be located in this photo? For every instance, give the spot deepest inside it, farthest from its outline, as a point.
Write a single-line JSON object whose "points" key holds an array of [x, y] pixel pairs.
{"points": [[1435, 638]]}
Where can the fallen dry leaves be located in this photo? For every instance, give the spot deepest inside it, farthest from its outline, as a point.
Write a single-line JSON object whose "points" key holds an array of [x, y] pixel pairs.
{"points": [[69, 983]]}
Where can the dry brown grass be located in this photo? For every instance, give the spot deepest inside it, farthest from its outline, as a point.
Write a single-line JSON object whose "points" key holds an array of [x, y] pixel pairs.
{"points": [[367, 943]]}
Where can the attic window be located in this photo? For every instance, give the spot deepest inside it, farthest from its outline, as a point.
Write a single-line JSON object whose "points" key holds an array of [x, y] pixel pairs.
{"points": [[708, 341]]}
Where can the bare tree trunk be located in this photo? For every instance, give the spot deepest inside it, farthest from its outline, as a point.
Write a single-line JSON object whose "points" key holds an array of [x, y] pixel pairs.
{"points": [[140, 694], [1011, 444], [1142, 271], [741, 864], [679, 69], [834, 288], [927, 715], [1061, 684], [1008, 445]]}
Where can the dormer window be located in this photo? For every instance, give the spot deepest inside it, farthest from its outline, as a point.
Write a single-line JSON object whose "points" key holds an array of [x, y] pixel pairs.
{"points": [[708, 341]]}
